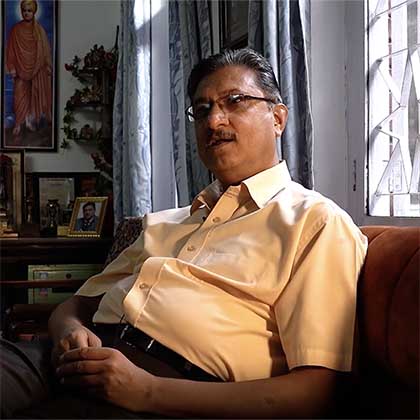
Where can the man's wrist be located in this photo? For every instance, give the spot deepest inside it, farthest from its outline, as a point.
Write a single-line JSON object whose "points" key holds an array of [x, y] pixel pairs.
{"points": [[148, 387]]}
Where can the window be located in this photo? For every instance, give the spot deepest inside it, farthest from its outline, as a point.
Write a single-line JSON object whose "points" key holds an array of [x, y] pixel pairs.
{"points": [[393, 161]]}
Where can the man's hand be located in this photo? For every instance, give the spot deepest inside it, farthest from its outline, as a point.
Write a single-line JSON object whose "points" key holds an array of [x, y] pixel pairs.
{"points": [[73, 338], [107, 374], [66, 326]]}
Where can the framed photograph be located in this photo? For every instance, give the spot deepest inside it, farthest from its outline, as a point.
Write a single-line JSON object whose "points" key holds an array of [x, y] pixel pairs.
{"points": [[29, 75], [53, 186], [233, 18], [11, 187], [61, 186], [88, 217]]}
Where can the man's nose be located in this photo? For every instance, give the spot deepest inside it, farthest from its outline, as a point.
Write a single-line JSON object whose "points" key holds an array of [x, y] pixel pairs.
{"points": [[217, 116]]}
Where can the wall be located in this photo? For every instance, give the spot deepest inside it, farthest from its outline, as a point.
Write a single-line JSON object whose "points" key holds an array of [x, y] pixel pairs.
{"points": [[329, 99], [81, 24]]}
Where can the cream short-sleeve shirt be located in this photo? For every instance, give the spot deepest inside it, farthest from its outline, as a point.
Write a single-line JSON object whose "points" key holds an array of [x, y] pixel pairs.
{"points": [[246, 283]]}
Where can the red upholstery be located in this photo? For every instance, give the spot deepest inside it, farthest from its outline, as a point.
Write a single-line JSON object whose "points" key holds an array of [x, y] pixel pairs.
{"points": [[388, 314]]}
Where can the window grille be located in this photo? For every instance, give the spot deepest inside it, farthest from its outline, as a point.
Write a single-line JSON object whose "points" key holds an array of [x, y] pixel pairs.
{"points": [[393, 159]]}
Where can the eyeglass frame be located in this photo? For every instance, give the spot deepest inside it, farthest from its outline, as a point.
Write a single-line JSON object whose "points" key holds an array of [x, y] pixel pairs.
{"points": [[190, 115]]}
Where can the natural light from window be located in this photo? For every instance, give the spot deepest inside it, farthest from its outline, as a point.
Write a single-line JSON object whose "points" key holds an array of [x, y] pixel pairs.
{"points": [[393, 172]]}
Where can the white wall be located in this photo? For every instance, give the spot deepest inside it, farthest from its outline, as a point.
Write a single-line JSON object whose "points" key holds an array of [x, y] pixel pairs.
{"points": [[81, 24], [329, 99]]}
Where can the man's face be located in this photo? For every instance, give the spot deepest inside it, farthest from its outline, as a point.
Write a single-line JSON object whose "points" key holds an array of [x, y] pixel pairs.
{"points": [[88, 212], [237, 145]]}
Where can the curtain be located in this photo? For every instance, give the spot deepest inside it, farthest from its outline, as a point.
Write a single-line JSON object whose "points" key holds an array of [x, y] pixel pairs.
{"points": [[140, 166], [189, 41], [131, 118], [279, 29]]}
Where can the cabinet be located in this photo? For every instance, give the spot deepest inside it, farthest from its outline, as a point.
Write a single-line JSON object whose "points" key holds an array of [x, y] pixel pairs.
{"points": [[18, 253]]}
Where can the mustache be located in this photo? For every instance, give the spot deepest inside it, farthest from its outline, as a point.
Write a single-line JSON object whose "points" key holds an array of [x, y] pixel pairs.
{"points": [[220, 134]]}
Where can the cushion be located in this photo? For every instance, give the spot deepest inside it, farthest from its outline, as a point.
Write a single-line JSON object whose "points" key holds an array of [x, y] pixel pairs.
{"points": [[128, 230]]}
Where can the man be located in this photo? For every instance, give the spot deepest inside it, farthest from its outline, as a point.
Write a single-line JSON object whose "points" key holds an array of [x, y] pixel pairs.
{"points": [[89, 220], [254, 285]]}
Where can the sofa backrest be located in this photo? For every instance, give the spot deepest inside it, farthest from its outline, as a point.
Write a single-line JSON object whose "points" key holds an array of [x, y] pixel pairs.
{"points": [[388, 319]]}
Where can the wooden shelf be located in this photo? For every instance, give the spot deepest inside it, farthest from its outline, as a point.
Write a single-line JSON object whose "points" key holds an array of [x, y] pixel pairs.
{"points": [[17, 316]]}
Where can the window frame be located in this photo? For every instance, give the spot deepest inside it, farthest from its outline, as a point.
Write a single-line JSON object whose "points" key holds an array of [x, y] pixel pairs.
{"points": [[357, 72]]}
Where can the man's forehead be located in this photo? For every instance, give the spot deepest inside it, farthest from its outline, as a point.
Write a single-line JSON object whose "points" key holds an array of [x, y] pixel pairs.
{"points": [[226, 80]]}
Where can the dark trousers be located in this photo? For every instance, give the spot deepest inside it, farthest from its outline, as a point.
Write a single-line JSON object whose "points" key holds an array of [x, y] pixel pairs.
{"points": [[29, 388]]}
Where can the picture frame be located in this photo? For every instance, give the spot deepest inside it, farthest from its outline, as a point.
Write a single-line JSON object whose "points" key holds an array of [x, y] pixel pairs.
{"points": [[88, 217], [233, 18], [73, 184], [55, 186], [29, 123], [12, 174]]}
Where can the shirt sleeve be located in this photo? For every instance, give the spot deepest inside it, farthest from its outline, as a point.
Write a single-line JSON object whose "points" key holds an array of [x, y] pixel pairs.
{"points": [[316, 310], [127, 263]]}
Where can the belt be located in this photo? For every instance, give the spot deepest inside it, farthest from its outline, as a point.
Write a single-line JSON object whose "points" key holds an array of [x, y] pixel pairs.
{"points": [[141, 341]]}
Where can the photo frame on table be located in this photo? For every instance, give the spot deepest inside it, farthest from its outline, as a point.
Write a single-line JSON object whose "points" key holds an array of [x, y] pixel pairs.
{"points": [[61, 186], [12, 174], [233, 18], [29, 108], [88, 217]]}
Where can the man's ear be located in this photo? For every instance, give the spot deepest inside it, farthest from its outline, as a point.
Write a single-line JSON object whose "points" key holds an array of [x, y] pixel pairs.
{"points": [[280, 113]]}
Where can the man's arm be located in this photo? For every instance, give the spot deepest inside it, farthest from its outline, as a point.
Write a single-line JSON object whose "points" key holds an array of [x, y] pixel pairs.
{"points": [[304, 392], [107, 373], [69, 323]]}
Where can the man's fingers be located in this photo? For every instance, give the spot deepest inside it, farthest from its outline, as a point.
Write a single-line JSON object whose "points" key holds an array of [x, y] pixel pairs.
{"points": [[94, 340], [63, 345], [80, 367], [86, 353], [73, 341], [94, 382]]}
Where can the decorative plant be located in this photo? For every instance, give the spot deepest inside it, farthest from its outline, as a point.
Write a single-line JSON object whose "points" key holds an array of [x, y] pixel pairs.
{"points": [[86, 70], [89, 72]]}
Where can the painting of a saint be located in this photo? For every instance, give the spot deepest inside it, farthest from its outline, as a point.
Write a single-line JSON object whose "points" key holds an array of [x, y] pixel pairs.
{"points": [[28, 71]]}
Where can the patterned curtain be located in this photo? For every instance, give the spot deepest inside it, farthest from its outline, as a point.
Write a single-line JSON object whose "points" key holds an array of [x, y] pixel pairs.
{"points": [[189, 41], [279, 29], [131, 119]]}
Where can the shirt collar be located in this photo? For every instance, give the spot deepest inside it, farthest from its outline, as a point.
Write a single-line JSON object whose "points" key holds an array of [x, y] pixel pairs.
{"points": [[262, 187], [265, 185], [207, 197]]}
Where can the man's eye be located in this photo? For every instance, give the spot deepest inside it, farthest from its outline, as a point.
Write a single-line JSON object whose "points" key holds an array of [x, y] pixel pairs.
{"points": [[235, 99], [201, 110]]}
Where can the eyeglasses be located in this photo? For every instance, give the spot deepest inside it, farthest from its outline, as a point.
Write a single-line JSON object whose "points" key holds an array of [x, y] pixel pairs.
{"points": [[229, 104]]}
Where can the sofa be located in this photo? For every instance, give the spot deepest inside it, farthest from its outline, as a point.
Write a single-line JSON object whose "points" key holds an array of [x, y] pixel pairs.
{"points": [[388, 324], [386, 378]]}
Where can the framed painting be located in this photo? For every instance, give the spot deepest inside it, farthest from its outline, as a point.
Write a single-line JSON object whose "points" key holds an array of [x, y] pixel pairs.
{"points": [[233, 18], [11, 188], [29, 75], [88, 217]]}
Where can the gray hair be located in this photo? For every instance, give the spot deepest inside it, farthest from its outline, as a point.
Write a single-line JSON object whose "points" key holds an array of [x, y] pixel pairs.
{"points": [[264, 75]]}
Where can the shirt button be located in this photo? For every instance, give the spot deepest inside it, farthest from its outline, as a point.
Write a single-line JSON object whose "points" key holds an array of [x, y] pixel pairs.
{"points": [[143, 285], [216, 219], [191, 248]]}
